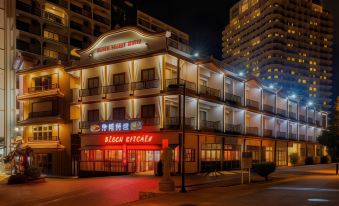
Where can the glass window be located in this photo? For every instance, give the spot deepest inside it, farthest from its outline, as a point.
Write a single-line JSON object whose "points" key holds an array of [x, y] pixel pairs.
{"points": [[119, 79], [119, 113], [210, 152], [189, 155], [93, 115], [147, 74]]}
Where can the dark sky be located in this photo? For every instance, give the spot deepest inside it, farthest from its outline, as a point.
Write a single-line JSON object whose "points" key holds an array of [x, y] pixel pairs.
{"points": [[205, 20]]}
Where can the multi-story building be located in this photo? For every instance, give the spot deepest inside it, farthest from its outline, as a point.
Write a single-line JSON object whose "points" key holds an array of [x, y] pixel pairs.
{"points": [[286, 43], [118, 110]]}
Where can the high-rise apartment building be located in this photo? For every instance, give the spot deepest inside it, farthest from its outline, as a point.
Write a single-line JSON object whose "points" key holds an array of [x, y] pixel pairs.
{"points": [[285, 43]]}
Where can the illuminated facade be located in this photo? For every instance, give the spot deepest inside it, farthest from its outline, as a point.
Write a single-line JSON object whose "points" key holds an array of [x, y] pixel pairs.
{"points": [[114, 112], [286, 43]]}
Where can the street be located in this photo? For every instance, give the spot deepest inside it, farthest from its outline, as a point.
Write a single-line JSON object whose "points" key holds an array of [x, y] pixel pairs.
{"points": [[304, 185]]}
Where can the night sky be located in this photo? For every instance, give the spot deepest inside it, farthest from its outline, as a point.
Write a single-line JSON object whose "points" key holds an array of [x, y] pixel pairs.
{"points": [[205, 20]]}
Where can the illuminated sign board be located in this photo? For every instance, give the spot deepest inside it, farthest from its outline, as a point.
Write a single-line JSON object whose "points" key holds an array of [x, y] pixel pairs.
{"points": [[131, 138], [117, 126], [117, 46]]}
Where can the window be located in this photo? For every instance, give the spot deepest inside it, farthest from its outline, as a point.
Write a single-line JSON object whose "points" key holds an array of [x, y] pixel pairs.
{"points": [[93, 115], [210, 152], [51, 35], [148, 111], [203, 115], [119, 79], [51, 53], [147, 74], [119, 113], [93, 82], [42, 83], [232, 152], [189, 155], [42, 132]]}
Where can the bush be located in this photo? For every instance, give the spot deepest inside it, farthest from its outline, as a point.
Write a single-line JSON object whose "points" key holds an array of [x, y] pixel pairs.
{"points": [[309, 161], [17, 179], [294, 158], [33, 172], [264, 168], [159, 169], [324, 160]]}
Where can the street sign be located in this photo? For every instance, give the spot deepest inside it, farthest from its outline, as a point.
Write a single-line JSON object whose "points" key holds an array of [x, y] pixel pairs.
{"points": [[246, 160]]}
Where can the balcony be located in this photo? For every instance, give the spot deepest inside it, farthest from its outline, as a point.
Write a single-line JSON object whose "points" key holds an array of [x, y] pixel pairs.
{"points": [[210, 125], [81, 11], [281, 112], [116, 88], [317, 122], [102, 4], [252, 104], [233, 128], [310, 138], [210, 92], [190, 86], [43, 88], [62, 3], [27, 47], [281, 135], [148, 84], [173, 123], [232, 98], [101, 19], [310, 120], [302, 118], [33, 29], [28, 8], [80, 27], [292, 136], [90, 92], [292, 115], [268, 108], [268, 133], [302, 137], [43, 114], [54, 18], [150, 121], [252, 131], [44, 138], [60, 38]]}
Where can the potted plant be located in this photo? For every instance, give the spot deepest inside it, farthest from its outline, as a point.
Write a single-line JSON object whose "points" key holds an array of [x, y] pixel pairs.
{"points": [[264, 169]]}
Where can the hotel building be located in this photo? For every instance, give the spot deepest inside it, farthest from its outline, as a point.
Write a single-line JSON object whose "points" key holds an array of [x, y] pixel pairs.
{"points": [[115, 112], [286, 43]]}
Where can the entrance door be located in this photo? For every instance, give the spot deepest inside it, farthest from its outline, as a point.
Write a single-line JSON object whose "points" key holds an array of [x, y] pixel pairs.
{"points": [[44, 162], [142, 160]]}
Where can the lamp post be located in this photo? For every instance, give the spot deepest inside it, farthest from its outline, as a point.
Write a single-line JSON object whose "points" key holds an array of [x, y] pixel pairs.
{"points": [[182, 149]]}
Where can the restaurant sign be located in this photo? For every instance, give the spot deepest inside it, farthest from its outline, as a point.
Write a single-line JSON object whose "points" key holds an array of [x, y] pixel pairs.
{"points": [[117, 126], [130, 138]]}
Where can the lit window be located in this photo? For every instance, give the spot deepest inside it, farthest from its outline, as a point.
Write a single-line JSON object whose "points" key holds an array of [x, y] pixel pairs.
{"points": [[276, 76]]}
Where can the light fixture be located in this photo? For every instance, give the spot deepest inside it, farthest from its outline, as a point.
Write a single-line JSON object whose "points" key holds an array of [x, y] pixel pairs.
{"points": [[293, 96], [310, 103], [241, 74], [271, 86], [196, 54], [16, 129]]}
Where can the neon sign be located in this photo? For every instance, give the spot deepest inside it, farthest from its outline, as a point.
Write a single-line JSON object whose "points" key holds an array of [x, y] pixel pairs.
{"points": [[118, 46], [116, 126], [145, 138]]}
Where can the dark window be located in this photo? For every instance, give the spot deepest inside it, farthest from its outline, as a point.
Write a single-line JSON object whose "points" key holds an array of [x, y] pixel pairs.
{"points": [[147, 74], [93, 82], [148, 111], [119, 113], [119, 79], [41, 83], [189, 155], [93, 115]]}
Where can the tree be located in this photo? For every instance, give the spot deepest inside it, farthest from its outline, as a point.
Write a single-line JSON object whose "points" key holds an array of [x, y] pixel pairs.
{"points": [[330, 137]]}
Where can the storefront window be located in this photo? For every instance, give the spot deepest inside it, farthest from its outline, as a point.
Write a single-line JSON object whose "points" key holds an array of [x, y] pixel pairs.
{"points": [[281, 157], [255, 152], [189, 155], [210, 152], [268, 154], [232, 152]]}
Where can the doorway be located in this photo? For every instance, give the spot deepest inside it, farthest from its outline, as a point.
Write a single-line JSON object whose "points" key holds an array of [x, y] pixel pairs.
{"points": [[142, 160]]}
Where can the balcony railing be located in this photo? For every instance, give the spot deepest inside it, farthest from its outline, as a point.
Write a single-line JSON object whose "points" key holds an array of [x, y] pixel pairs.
{"points": [[233, 98], [80, 27], [292, 115], [233, 128], [62, 3], [252, 131], [268, 108], [149, 121], [252, 104], [53, 18], [43, 114], [208, 91], [268, 133], [43, 138], [31, 48], [281, 112], [116, 88], [281, 135], [173, 123], [190, 86], [302, 137], [101, 19], [310, 138], [310, 120], [90, 92], [102, 4], [34, 29], [28, 8], [61, 38], [43, 88], [81, 11], [148, 84], [210, 125], [292, 136], [302, 118]]}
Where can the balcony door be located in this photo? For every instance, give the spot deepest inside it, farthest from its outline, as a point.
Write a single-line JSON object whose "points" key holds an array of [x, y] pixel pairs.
{"points": [[93, 115], [119, 113], [42, 83], [93, 82], [119, 79], [147, 74]]}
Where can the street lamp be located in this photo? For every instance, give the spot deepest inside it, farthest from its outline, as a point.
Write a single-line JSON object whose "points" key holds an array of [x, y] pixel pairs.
{"points": [[182, 149]]}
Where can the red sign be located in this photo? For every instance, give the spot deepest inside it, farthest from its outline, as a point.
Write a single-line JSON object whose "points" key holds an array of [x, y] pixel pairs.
{"points": [[130, 138], [118, 46]]}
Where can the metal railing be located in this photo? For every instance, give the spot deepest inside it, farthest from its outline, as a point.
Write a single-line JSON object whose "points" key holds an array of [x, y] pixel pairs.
{"points": [[90, 92], [210, 125], [252, 104], [233, 98], [292, 136], [34, 29], [80, 27], [208, 91], [148, 84], [62, 3], [281, 112], [233, 128], [190, 86], [32, 48], [173, 123], [80, 10], [116, 88], [268, 133], [53, 18], [28, 8], [292, 115], [43, 114], [43, 88], [281, 135], [268, 108], [252, 131]]}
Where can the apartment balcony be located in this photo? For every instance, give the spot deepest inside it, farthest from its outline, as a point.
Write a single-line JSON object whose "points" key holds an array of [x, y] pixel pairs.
{"points": [[292, 115], [33, 29], [268, 108], [101, 19], [281, 112], [252, 131], [150, 121], [302, 118], [317, 122], [80, 10], [178, 45], [80, 27], [28, 8], [90, 92], [51, 90], [281, 135], [28, 47], [210, 126], [148, 84], [252, 104], [268, 133], [233, 128], [173, 123], [292, 136], [302, 137], [43, 114], [209, 92], [62, 3], [310, 120], [116, 88], [190, 86], [102, 4], [53, 18], [232, 98]]}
